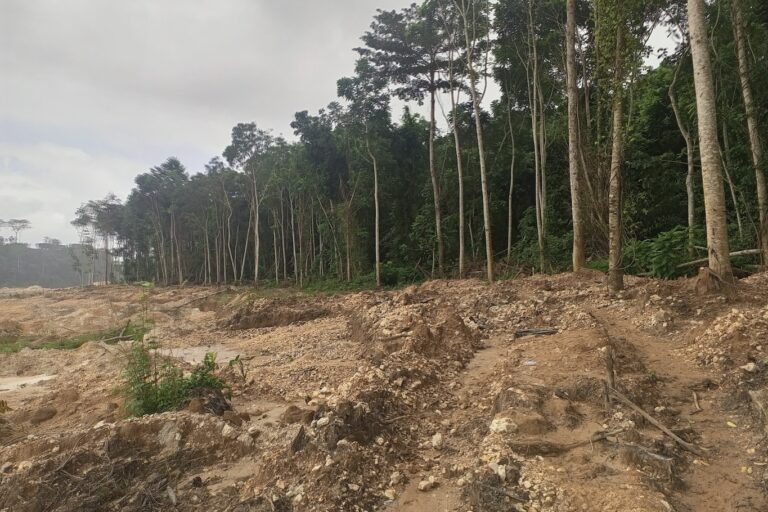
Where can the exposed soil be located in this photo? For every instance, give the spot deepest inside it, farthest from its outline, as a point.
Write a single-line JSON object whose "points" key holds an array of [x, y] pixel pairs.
{"points": [[422, 399]]}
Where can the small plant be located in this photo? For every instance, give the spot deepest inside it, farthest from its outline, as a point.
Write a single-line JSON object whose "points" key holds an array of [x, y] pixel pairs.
{"points": [[156, 384], [238, 363]]}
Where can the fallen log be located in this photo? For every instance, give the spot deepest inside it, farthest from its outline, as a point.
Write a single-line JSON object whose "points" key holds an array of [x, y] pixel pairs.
{"points": [[748, 252]]}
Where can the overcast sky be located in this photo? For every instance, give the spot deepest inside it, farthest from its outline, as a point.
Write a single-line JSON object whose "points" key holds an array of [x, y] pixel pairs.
{"points": [[94, 92]]}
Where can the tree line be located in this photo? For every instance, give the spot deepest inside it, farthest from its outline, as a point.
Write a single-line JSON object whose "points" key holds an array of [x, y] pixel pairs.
{"points": [[588, 158]]}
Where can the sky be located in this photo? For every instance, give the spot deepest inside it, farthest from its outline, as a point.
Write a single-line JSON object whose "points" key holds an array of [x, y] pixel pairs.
{"points": [[93, 93]]}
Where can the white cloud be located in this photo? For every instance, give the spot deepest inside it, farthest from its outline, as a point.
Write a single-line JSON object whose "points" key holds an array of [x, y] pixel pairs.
{"points": [[45, 183]]}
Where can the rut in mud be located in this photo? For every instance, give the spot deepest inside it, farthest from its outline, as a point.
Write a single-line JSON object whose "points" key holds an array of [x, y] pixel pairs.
{"points": [[448, 396]]}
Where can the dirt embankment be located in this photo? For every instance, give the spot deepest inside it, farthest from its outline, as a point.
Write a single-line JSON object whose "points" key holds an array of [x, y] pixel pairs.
{"points": [[449, 396]]}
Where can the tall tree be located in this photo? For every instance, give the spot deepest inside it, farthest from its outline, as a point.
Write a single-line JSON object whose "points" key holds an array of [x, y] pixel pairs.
{"points": [[756, 145], [17, 226], [718, 245], [474, 19], [408, 47], [249, 146], [574, 138], [369, 105]]}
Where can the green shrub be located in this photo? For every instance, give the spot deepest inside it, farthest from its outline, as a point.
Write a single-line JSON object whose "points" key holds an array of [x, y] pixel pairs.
{"points": [[661, 256], [153, 383]]}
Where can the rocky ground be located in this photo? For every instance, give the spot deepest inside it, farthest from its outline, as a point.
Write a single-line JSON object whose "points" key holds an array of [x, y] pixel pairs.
{"points": [[537, 394]]}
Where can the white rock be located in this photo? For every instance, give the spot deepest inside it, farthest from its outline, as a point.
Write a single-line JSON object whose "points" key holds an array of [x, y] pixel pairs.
{"points": [[390, 494], [228, 431], [323, 421], [437, 441], [425, 485], [749, 367]]}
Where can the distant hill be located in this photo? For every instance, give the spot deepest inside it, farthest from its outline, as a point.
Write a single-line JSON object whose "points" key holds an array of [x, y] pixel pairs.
{"points": [[50, 265]]}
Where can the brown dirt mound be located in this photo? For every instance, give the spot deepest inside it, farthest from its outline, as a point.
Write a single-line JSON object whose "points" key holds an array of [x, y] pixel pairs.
{"points": [[263, 313]]}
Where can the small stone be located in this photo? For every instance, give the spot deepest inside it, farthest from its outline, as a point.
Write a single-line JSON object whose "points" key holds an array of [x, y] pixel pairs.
{"points": [[228, 431], [395, 478], [425, 485], [390, 494], [325, 420], [437, 441], [353, 487], [749, 367]]}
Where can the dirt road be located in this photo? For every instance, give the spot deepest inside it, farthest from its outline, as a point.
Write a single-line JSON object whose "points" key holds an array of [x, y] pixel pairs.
{"points": [[411, 400]]}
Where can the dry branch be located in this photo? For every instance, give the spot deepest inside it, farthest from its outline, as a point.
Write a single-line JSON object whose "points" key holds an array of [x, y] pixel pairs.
{"points": [[683, 443]]}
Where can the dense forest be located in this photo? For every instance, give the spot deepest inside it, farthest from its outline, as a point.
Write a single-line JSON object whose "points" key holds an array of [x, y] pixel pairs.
{"points": [[588, 158]]}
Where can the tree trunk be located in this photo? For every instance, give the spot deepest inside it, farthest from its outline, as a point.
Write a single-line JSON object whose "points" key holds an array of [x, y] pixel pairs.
{"points": [[489, 255], [459, 171], [256, 234], [712, 173], [689, 157], [293, 240], [615, 231], [535, 97], [754, 135], [725, 158], [578, 256], [376, 206], [510, 209], [435, 182]]}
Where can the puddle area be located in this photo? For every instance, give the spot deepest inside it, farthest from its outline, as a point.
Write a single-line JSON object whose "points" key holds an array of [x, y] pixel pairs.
{"points": [[16, 383]]}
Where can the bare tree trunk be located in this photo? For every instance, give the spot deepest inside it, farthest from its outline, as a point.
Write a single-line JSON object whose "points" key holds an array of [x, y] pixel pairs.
{"points": [[256, 234], [282, 237], [574, 139], [274, 245], [758, 159], [615, 271], [510, 209], [436, 183], [712, 173], [455, 93], [725, 158], [293, 240], [489, 255], [539, 142], [376, 205], [245, 246], [689, 157]]}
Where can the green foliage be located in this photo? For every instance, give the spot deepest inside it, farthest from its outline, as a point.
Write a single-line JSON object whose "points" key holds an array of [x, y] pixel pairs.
{"points": [[12, 344], [155, 384], [525, 252], [661, 256]]}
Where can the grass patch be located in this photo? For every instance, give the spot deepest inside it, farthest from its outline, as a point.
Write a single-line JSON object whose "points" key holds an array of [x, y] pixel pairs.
{"points": [[154, 383], [13, 344]]}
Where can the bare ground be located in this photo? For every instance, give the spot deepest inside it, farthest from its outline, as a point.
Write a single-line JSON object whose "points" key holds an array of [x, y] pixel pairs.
{"points": [[416, 400]]}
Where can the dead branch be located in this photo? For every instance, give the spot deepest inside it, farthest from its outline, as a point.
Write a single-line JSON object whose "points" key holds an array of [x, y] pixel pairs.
{"points": [[684, 444], [536, 332]]}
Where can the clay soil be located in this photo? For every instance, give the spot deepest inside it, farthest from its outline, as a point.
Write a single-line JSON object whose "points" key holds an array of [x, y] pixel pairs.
{"points": [[537, 394]]}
